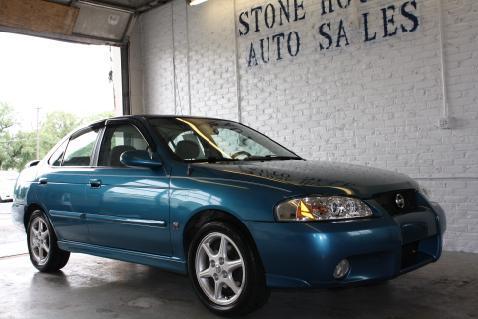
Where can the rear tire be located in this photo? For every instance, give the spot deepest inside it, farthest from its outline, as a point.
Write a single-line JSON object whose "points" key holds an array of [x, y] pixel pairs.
{"points": [[226, 271], [42, 245]]}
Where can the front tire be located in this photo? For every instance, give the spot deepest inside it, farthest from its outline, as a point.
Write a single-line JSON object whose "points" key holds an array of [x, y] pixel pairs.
{"points": [[225, 270], [42, 245]]}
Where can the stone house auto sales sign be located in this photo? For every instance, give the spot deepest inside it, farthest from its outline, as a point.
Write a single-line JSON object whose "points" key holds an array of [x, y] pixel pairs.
{"points": [[378, 23]]}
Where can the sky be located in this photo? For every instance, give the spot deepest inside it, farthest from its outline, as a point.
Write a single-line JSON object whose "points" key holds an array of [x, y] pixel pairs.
{"points": [[53, 75]]}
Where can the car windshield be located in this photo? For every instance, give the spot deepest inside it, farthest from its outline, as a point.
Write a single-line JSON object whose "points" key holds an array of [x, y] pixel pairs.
{"points": [[210, 140]]}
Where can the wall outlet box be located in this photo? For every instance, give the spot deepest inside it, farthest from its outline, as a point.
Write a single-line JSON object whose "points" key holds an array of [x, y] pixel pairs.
{"points": [[444, 123]]}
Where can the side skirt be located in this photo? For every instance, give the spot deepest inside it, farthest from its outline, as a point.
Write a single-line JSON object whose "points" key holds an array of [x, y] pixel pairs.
{"points": [[168, 263]]}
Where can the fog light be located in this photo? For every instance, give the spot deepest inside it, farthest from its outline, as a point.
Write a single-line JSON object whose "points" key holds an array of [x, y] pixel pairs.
{"points": [[342, 269]]}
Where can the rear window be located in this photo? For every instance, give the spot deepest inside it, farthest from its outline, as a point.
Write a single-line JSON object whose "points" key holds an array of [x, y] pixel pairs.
{"points": [[57, 156], [80, 149]]}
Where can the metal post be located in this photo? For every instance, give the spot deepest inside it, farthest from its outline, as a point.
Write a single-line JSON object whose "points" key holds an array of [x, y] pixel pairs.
{"points": [[38, 132], [125, 79], [442, 59], [175, 80], [188, 59], [236, 65]]}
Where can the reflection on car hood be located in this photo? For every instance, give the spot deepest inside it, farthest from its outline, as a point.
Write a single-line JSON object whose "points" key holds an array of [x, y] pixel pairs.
{"points": [[317, 176]]}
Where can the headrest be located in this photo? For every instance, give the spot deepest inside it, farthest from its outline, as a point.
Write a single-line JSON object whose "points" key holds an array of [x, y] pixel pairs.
{"points": [[187, 150]]}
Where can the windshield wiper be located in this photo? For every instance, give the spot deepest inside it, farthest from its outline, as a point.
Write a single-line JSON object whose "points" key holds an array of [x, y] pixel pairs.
{"points": [[219, 159], [250, 158], [272, 158]]}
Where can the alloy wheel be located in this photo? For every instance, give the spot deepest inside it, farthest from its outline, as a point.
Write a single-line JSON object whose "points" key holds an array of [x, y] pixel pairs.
{"points": [[39, 241], [220, 269]]}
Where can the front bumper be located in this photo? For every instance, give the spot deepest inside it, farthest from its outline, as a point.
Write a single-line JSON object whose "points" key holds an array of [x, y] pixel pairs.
{"points": [[304, 255]]}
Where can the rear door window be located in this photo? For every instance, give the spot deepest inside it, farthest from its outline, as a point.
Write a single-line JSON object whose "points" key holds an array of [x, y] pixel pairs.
{"points": [[80, 149], [57, 156]]}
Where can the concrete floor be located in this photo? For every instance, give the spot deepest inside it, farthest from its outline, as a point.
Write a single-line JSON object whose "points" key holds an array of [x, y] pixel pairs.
{"points": [[91, 287], [12, 241]]}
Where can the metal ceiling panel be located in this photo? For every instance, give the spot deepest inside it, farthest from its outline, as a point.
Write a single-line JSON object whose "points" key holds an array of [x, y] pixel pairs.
{"points": [[101, 22], [136, 5], [94, 22]]}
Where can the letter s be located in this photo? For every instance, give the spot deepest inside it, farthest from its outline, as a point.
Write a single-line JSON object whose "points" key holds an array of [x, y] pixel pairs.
{"points": [[326, 35], [244, 23], [410, 16]]}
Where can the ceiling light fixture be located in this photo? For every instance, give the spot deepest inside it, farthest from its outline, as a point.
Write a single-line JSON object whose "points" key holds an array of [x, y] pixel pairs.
{"points": [[196, 2]]}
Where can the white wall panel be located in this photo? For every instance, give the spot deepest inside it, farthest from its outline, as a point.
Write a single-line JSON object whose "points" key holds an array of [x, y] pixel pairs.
{"points": [[374, 102]]}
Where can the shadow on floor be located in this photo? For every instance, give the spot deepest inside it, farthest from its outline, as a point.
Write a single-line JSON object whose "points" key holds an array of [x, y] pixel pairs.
{"points": [[91, 287]]}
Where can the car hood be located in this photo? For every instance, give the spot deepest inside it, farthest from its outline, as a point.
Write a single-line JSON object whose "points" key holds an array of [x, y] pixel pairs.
{"points": [[318, 177]]}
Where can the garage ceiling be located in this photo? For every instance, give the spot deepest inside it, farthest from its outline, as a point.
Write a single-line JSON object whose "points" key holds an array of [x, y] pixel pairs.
{"points": [[86, 21], [135, 5]]}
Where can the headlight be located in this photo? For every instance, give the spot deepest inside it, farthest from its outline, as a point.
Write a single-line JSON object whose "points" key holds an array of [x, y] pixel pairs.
{"points": [[318, 208]]}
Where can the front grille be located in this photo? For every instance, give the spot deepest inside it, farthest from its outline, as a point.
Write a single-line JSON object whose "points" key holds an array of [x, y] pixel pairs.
{"points": [[389, 201]]}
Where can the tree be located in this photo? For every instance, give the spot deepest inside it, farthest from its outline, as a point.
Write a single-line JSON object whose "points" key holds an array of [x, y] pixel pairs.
{"points": [[6, 117], [96, 117], [18, 149], [56, 126], [6, 121]]}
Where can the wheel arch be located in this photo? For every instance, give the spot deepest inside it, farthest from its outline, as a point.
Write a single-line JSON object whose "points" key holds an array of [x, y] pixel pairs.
{"points": [[29, 211], [205, 216]]}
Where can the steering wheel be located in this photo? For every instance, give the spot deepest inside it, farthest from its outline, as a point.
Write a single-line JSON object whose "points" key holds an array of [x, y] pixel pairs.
{"points": [[237, 154]]}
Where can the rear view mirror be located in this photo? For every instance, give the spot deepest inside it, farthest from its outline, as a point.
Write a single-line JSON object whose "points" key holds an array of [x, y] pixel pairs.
{"points": [[140, 159]]}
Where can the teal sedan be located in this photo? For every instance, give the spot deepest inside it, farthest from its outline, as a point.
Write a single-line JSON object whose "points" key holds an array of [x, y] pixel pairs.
{"points": [[225, 204]]}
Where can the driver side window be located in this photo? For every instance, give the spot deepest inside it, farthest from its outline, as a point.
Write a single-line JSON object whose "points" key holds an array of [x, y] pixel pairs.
{"points": [[117, 140]]}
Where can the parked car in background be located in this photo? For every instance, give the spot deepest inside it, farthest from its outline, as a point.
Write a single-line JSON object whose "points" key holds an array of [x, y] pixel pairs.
{"points": [[225, 204], [7, 183]]}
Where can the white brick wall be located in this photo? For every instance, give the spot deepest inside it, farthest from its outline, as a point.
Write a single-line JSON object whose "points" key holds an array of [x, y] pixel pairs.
{"points": [[375, 103]]}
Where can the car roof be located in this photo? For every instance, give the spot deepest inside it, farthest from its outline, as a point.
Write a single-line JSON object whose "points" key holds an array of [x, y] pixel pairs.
{"points": [[154, 116], [171, 116]]}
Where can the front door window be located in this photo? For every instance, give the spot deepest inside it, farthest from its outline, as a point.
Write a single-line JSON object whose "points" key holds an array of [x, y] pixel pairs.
{"points": [[120, 139]]}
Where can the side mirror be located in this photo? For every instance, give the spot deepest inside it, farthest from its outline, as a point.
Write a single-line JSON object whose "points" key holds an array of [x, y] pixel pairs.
{"points": [[140, 159]]}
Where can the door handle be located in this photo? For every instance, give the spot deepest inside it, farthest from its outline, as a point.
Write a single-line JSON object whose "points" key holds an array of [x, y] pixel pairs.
{"points": [[43, 181], [95, 183]]}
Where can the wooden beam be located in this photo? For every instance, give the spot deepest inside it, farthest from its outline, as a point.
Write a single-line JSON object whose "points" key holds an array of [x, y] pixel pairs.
{"points": [[38, 16]]}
